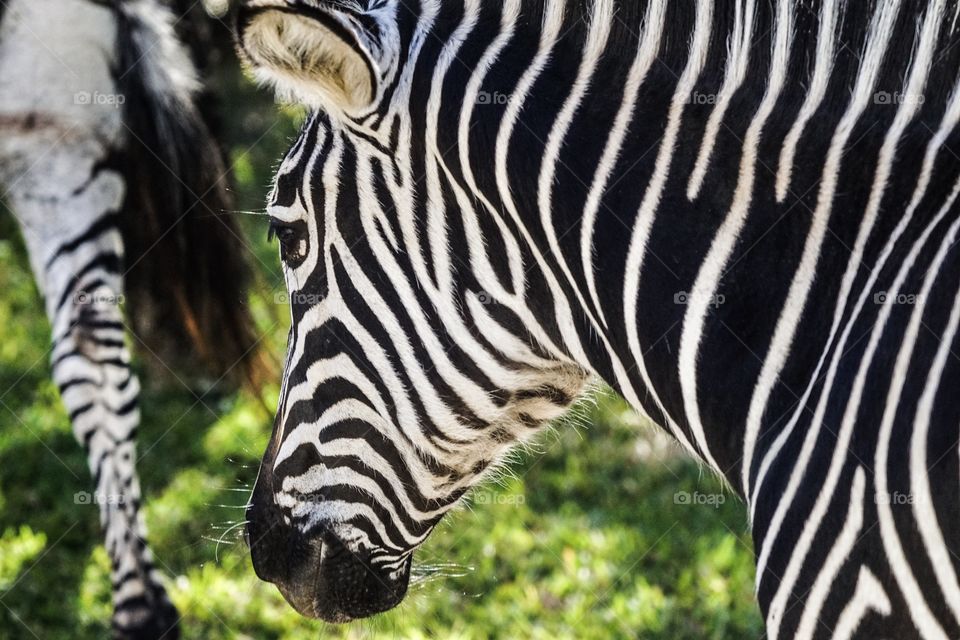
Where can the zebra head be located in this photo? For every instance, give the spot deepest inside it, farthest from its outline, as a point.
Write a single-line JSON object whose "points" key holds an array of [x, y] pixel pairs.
{"points": [[414, 363]]}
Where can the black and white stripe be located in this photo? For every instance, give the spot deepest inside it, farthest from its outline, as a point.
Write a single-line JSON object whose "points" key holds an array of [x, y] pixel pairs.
{"points": [[107, 164], [740, 214]]}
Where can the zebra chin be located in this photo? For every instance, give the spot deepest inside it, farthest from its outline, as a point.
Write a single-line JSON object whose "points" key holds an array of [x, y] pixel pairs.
{"points": [[315, 571]]}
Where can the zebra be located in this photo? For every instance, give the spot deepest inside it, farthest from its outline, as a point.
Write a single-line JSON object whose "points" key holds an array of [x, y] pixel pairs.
{"points": [[740, 214], [108, 165]]}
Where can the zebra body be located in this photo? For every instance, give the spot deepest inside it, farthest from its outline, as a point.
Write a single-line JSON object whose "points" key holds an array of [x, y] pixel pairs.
{"points": [[96, 109], [742, 215]]}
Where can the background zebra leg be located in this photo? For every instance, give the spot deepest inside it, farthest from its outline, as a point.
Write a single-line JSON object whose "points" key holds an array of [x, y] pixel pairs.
{"points": [[77, 255], [92, 370]]}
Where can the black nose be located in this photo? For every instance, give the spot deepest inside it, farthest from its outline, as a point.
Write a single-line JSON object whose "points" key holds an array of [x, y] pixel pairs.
{"points": [[316, 573]]}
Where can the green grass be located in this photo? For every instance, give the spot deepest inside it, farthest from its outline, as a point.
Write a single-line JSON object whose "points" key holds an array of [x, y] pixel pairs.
{"points": [[586, 536]]}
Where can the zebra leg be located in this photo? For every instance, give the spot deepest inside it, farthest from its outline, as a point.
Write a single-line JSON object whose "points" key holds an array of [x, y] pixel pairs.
{"points": [[92, 369], [67, 205]]}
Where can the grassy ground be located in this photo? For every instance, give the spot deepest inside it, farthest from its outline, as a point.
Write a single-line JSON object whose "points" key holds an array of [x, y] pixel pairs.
{"points": [[602, 531]]}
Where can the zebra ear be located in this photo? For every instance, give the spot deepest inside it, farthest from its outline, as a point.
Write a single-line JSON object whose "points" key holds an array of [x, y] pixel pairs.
{"points": [[318, 54]]}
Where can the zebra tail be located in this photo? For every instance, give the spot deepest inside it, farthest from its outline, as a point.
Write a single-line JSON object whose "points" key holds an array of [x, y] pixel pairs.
{"points": [[187, 274]]}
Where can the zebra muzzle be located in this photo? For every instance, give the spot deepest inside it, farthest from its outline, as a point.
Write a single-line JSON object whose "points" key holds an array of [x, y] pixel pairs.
{"points": [[315, 571]]}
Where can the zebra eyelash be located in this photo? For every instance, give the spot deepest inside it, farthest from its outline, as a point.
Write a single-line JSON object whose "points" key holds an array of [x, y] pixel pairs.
{"points": [[282, 231], [292, 237], [273, 230]]}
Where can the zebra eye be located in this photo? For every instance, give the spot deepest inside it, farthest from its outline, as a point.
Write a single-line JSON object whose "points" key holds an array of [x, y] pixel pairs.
{"points": [[292, 237]]}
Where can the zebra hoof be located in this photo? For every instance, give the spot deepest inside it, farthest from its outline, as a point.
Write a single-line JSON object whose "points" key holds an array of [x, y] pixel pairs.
{"points": [[147, 623]]}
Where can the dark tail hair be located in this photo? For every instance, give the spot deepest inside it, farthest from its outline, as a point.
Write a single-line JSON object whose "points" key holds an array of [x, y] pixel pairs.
{"points": [[187, 276]]}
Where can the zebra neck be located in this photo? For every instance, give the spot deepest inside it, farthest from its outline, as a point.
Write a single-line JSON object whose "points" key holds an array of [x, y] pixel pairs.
{"points": [[686, 197]]}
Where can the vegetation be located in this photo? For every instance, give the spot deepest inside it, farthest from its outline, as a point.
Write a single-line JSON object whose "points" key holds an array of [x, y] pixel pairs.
{"points": [[602, 530]]}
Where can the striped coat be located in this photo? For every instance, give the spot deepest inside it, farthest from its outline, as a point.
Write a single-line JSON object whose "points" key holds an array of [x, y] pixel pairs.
{"points": [[741, 214]]}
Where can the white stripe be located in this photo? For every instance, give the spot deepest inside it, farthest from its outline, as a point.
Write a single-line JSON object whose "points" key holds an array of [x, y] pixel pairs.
{"points": [[799, 551], [439, 247], [437, 243], [646, 54], [320, 476], [479, 259], [950, 120], [414, 366], [342, 366], [339, 511], [699, 48], [793, 307], [308, 435], [367, 201], [869, 595], [383, 365], [552, 24], [924, 513], [738, 57], [801, 548], [293, 277], [708, 279], [596, 42], [473, 395], [923, 618], [826, 46], [506, 342], [839, 553]]}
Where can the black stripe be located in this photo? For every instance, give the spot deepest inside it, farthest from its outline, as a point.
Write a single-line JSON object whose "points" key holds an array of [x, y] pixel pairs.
{"points": [[546, 392], [107, 222], [109, 262], [104, 362], [79, 411]]}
